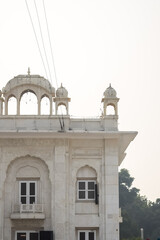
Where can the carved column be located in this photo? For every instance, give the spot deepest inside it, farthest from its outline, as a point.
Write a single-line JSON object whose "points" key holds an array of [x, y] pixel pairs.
{"points": [[39, 106], [56, 108], [60, 190], [51, 104], [66, 108], [111, 197], [6, 107], [1, 105], [18, 106]]}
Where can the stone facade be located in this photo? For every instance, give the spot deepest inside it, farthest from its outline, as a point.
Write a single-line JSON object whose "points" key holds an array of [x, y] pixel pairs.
{"points": [[58, 173]]}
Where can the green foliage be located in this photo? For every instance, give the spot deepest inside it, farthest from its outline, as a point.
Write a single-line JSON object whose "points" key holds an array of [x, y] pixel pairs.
{"points": [[137, 211], [125, 178]]}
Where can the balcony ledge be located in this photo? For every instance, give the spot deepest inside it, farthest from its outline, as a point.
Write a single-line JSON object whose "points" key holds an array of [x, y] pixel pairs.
{"points": [[27, 216]]}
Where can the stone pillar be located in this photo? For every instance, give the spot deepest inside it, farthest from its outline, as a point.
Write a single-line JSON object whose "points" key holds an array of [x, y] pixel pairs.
{"points": [[104, 109], [102, 203], [116, 109], [67, 108], [60, 190], [39, 106], [1, 196], [56, 108], [111, 190], [1, 105], [51, 105], [18, 106], [1, 217], [6, 107]]}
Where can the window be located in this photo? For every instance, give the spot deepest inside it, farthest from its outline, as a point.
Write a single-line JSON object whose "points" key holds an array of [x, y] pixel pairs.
{"points": [[12, 106], [28, 103], [86, 190], [45, 106], [28, 192], [110, 110], [26, 235], [86, 235]]}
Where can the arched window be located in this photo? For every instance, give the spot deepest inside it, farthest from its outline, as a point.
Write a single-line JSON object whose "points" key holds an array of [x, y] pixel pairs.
{"points": [[87, 184], [26, 179], [45, 106], [12, 106], [62, 110], [28, 103], [110, 110]]}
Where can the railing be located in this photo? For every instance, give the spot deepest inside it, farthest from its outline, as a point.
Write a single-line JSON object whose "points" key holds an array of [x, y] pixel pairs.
{"points": [[27, 208]]}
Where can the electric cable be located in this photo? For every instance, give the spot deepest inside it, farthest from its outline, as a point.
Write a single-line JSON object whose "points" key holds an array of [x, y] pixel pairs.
{"points": [[53, 61], [42, 39], [36, 38], [62, 124]]}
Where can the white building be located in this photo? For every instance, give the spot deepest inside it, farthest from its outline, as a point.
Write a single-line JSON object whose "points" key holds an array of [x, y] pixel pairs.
{"points": [[58, 175]]}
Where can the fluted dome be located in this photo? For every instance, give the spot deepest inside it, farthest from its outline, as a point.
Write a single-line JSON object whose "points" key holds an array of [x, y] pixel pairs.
{"points": [[110, 92], [61, 92], [29, 80]]}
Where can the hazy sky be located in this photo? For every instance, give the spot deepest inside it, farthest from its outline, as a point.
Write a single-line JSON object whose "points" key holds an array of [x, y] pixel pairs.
{"points": [[96, 42]]}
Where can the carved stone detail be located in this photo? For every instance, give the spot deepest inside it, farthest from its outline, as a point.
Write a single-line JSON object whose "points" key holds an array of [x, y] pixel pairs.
{"points": [[27, 142], [87, 152]]}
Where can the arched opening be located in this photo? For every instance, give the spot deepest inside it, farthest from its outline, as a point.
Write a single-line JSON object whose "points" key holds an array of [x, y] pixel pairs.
{"points": [[27, 181], [87, 172], [45, 105], [110, 110], [62, 110], [28, 103], [87, 184], [12, 105]]}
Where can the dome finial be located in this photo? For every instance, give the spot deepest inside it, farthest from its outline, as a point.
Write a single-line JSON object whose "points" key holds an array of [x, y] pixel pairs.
{"points": [[110, 92], [62, 92], [28, 71]]}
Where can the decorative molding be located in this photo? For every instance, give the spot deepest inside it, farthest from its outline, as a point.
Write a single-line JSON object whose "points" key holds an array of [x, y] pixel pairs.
{"points": [[87, 153], [27, 142]]}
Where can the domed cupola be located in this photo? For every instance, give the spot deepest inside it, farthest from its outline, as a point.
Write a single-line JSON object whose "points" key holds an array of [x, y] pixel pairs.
{"points": [[62, 99], [110, 99], [110, 92], [62, 92]]}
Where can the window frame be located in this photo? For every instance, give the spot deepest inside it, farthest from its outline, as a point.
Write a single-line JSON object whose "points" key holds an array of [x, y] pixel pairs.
{"points": [[26, 232], [86, 190], [87, 234], [28, 191]]}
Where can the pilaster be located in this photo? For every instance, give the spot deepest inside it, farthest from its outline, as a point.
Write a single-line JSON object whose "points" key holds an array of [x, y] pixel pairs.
{"points": [[111, 190], [60, 190], [1, 105]]}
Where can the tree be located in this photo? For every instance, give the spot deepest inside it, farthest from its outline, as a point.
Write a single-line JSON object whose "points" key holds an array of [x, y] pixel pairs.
{"points": [[126, 193], [133, 207], [137, 211]]}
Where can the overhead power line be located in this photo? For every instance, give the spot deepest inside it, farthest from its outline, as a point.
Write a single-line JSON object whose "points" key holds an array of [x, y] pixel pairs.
{"points": [[61, 120], [36, 38], [42, 40], [53, 62]]}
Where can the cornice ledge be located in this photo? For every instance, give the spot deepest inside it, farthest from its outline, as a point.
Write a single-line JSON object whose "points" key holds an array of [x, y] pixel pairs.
{"points": [[68, 134]]}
